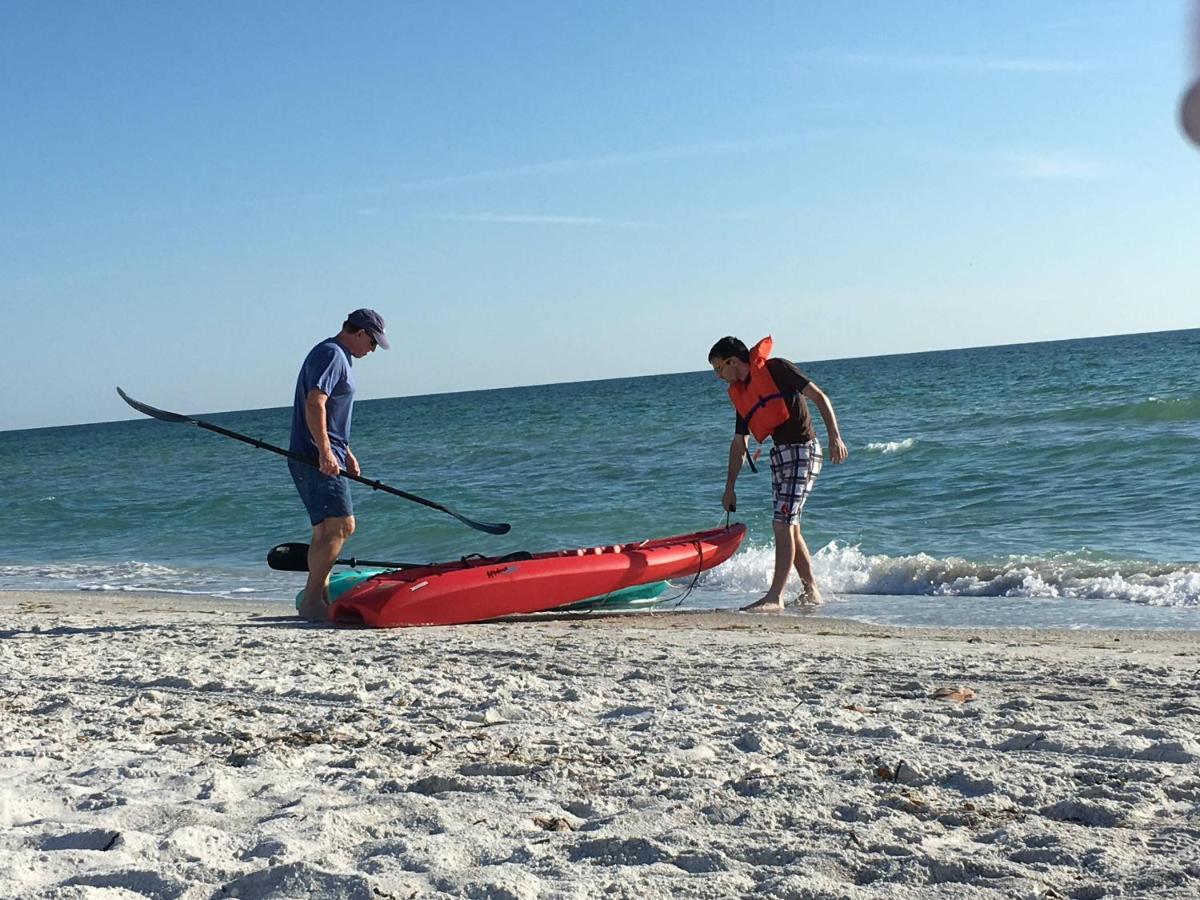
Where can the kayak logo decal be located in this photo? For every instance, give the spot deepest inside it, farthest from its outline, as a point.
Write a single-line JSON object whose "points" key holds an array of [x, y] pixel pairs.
{"points": [[502, 570]]}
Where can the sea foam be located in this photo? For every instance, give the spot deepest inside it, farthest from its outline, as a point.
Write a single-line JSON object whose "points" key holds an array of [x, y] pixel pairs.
{"points": [[887, 447], [847, 569]]}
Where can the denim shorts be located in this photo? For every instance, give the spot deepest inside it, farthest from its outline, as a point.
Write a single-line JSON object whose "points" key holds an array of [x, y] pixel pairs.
{"points": [[324, 496]]}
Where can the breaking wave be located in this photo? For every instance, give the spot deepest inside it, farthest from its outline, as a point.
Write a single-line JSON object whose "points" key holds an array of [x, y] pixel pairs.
{"points": [[1072, 576], [887, 447]]}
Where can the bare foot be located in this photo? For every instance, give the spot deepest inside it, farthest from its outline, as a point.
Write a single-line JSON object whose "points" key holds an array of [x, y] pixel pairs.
{"points": [[767, 604], [314, 612], [811, 597]]}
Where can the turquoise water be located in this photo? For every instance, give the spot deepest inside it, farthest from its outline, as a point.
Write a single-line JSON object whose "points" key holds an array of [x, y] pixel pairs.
{"points": [[1056, 480]]}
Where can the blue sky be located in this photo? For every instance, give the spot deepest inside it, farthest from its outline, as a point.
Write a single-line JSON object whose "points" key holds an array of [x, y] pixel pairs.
{"points": [[195, 193]]}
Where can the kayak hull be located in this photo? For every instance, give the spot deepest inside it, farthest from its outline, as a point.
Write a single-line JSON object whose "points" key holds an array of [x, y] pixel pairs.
{"points": [[475, 590], [640, 596]]}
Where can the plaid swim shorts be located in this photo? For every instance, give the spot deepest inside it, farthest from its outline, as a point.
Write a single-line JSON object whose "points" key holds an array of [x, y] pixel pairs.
{"points": [[794, 470]]}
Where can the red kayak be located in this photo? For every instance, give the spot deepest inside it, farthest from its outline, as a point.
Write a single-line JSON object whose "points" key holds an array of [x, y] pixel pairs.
{"points": [[472, 590]]}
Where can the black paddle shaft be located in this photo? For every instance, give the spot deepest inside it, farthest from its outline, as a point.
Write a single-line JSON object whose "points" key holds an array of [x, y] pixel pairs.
{"points": [[293, 557], [167, 416]]}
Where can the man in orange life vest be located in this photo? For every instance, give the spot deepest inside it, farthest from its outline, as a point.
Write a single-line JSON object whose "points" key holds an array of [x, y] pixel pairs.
{"points": [[769, 396]]}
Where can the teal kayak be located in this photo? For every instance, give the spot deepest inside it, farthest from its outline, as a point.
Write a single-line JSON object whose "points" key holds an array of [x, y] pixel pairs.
{"points": [[340, 582], [640, 596]]}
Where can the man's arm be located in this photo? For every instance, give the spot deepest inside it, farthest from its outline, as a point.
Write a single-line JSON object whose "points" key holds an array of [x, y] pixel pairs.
{"points": [[737, 452], [837, 450], [314, 417]]}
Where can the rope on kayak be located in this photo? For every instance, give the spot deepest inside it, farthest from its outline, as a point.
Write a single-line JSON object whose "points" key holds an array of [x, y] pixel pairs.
{"points": [[695, 578], [691, 586]]}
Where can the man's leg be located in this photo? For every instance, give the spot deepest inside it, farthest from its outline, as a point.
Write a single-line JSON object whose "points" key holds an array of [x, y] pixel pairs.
{"points": [[785, 552], [810, 594], [327, 540]]}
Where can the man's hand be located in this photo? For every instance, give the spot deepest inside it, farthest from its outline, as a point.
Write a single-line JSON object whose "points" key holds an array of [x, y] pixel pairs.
{"points": [[329, 463], [729, 500], [352, 464], [837, 450]]}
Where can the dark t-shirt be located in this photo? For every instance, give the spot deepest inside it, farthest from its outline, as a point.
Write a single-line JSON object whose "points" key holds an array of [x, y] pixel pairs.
{"points": [[798, 429]]}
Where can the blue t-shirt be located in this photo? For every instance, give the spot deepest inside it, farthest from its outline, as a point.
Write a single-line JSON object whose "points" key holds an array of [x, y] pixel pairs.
{"points": [[328, 369]]}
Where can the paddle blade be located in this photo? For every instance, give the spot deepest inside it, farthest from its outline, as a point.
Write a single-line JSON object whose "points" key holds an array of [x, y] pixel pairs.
{"points": [[154, 412], [499, 528], [293, 557], [289, 558]]}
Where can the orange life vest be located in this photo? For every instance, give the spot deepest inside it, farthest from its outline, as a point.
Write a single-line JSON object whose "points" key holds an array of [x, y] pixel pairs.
{"points": [[760, 403]]}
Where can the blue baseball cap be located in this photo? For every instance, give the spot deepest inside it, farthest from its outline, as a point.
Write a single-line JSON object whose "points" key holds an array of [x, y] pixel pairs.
{"points": [[371, 322]]}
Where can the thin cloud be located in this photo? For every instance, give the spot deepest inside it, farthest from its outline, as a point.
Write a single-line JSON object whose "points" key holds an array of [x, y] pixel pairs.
{"points": [[953, 63], [1053, 166], [637, 157], [672, 153], [525, 219]]}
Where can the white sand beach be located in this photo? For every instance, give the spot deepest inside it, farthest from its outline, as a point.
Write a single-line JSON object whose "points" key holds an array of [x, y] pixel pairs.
{"points": [[169, 747]]}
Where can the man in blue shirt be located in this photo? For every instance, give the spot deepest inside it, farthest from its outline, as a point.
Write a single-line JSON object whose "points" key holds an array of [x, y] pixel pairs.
{"points": [[321, 414]]}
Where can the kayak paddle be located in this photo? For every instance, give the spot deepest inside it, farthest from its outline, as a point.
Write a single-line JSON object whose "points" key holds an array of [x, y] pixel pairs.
{"points": [[294, 558], [166, 416]]}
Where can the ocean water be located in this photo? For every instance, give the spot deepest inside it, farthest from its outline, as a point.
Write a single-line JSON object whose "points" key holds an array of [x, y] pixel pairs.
{"points": [[1039, 484]]}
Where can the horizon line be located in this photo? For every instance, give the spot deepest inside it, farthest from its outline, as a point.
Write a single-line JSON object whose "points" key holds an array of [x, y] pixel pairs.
{"points": [[516, 387]]}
